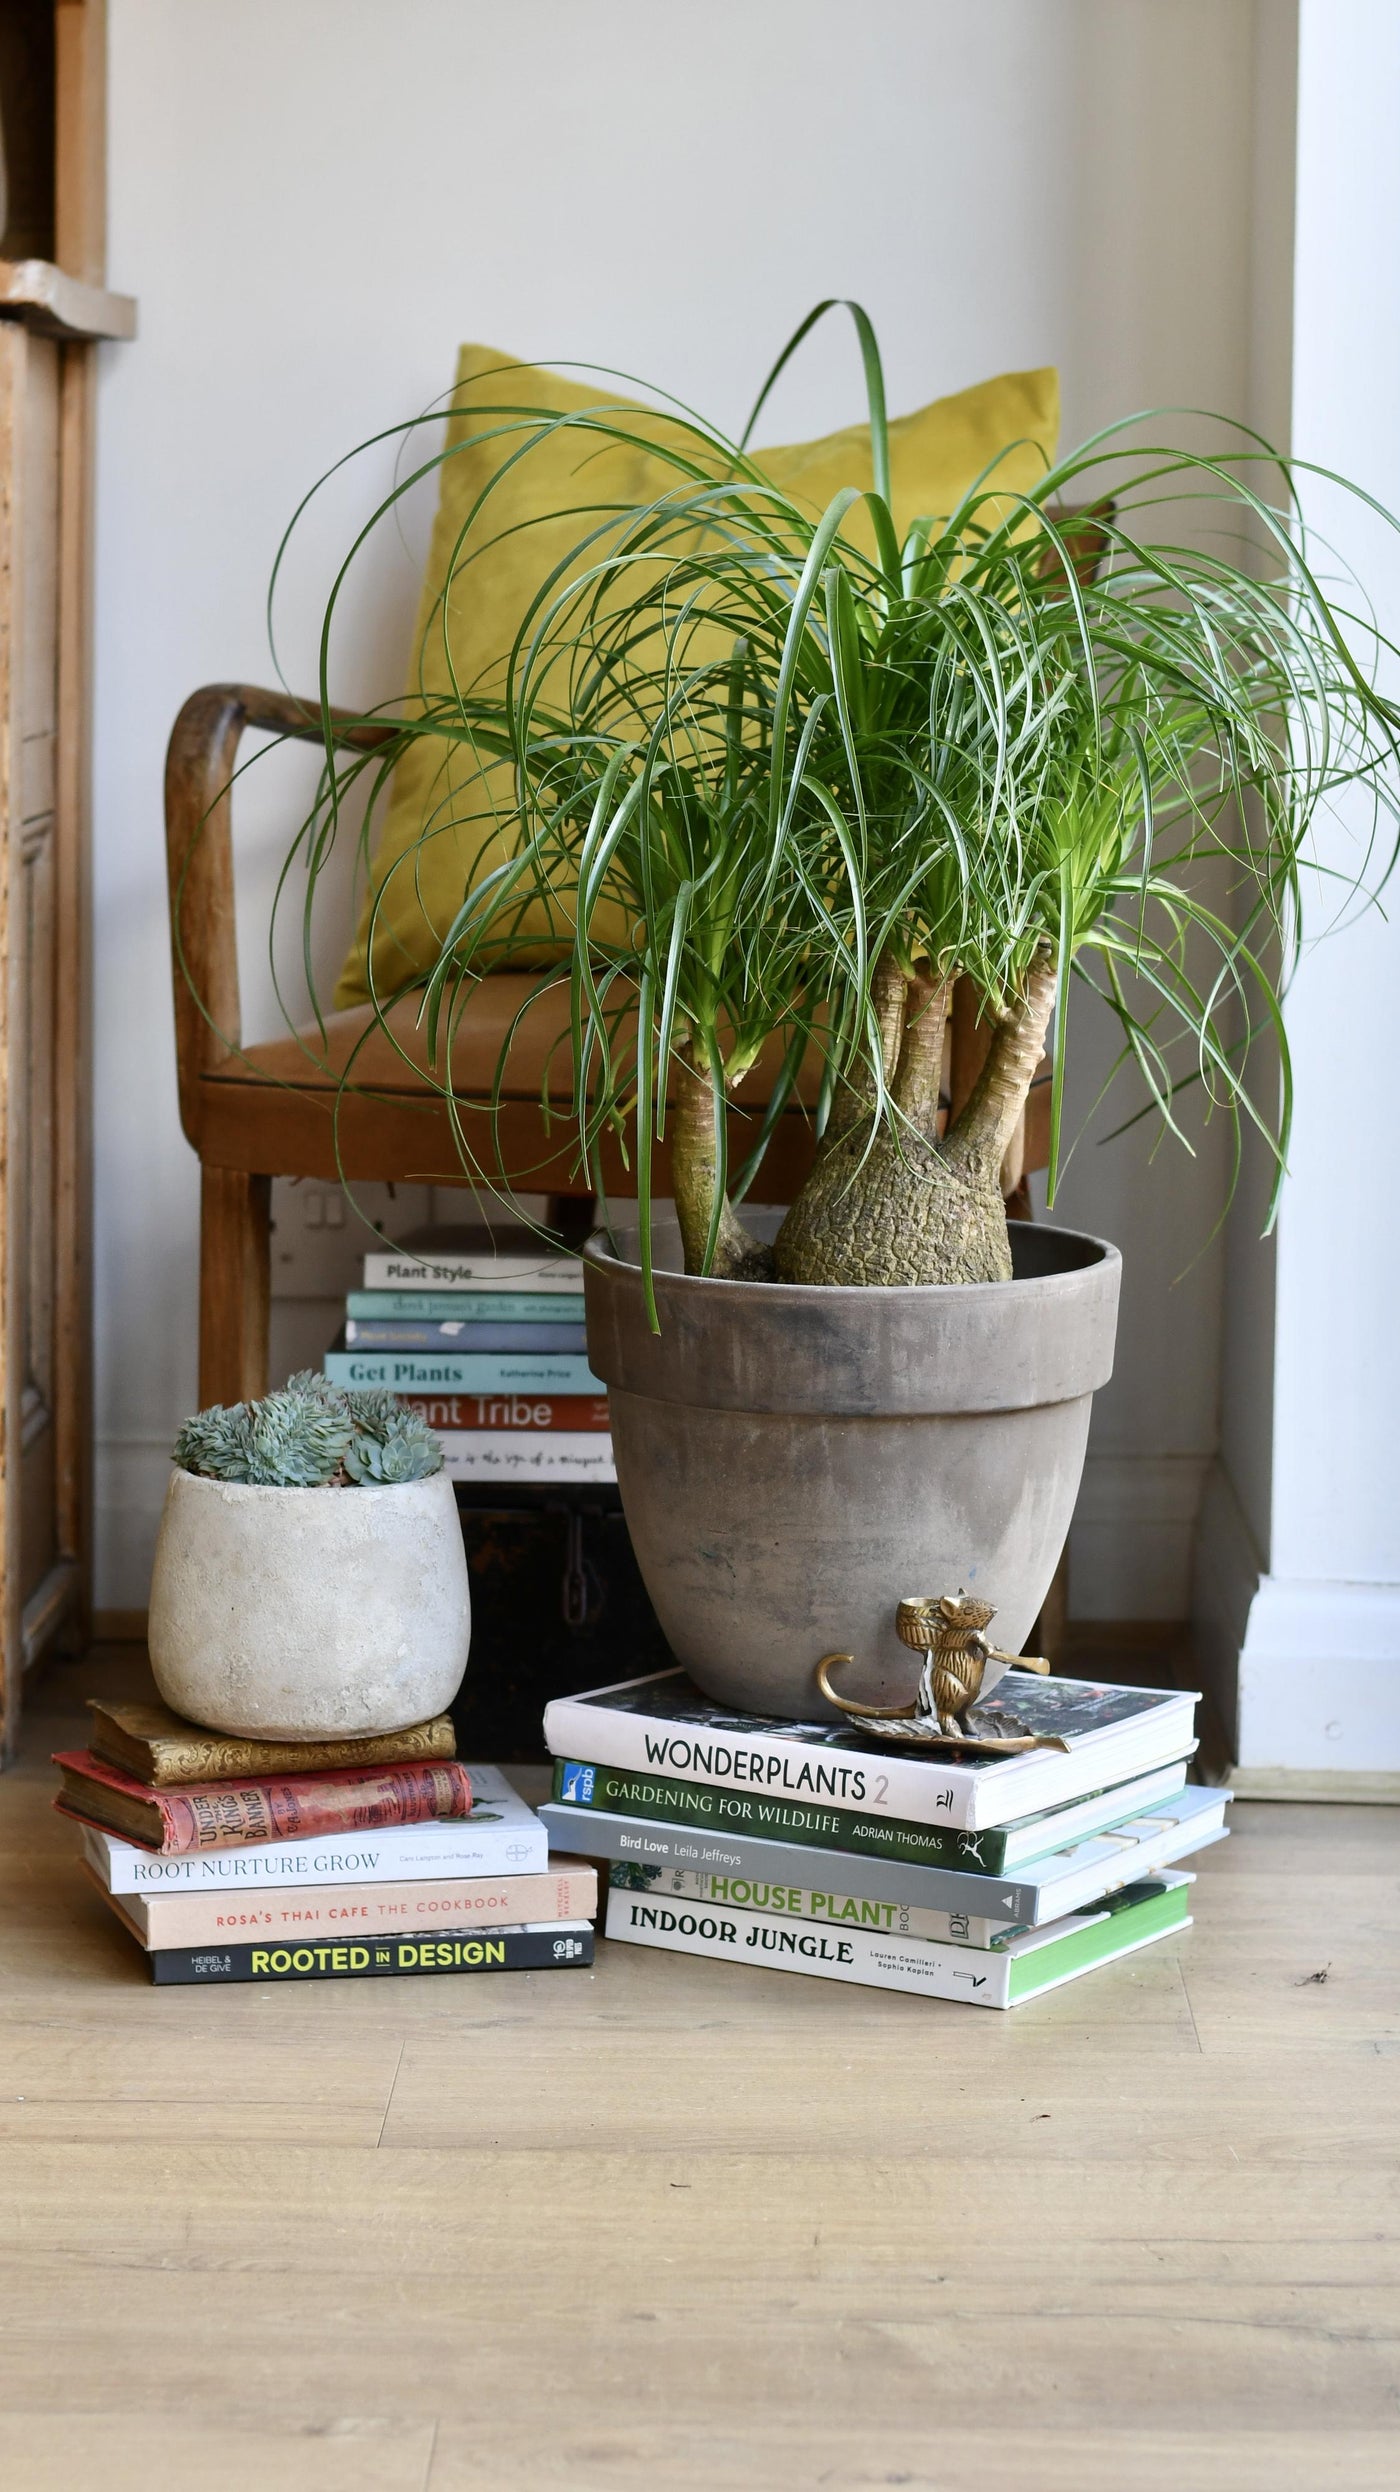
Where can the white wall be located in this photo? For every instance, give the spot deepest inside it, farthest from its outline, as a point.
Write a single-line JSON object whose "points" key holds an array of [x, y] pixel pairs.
{"points": [[316, 199], [1319, 1672]]}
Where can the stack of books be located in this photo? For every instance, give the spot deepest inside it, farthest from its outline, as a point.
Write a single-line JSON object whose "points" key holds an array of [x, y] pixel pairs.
{"points": [[808, 1847], [490, 1348], [253, 1860]]}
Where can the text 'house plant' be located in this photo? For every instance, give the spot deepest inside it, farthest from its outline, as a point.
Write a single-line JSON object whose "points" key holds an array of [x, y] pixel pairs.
{"points": [[782, 776], [310, 1580]]}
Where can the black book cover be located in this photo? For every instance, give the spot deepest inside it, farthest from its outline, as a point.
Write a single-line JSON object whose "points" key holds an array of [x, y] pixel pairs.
{"points": [[546, 1949]]}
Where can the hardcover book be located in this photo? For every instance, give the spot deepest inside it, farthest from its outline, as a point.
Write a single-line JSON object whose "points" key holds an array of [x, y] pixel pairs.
{"points": [[1141, 1848], [540, 1340], [1171, 1822], [460, 1371], [501, 1837], [566, 1891], [1038, 1960], [696, 1808], [215, 1816], [811, 1903], [468, 1306], [546, 1946], [664, 1725], [570, 1414], [550, 1274], [159, 1747], [530, 1454]]}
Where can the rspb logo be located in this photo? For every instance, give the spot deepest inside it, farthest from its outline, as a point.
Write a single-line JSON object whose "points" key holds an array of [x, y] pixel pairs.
{"points": [[565, 1949], [578, 1785]]}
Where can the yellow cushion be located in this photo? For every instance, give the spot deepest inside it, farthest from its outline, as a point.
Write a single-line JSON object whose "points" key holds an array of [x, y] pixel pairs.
{"points": [[934, 457]]}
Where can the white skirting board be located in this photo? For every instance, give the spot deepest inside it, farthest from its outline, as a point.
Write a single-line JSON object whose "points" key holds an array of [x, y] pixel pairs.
{"points": [[1287, 1782], [1319, 1680], [1305, 1673]]}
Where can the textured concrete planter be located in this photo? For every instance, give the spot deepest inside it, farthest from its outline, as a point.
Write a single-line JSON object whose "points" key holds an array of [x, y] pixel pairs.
{"points": [[309, 1613], [794, 1461]]}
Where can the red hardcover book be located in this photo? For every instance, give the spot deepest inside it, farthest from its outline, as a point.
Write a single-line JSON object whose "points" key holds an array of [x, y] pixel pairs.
{"points": [[215, 1816], [458, 1413]]}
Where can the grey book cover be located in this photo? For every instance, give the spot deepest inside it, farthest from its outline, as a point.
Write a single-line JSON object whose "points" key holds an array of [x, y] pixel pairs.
{"points": [[598, 1835]]}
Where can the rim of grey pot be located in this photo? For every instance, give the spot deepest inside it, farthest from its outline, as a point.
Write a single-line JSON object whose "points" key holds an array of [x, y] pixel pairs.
{"points": [[760, 1346]]}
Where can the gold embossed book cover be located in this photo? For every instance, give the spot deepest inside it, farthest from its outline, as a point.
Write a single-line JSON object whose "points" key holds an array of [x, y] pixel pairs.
{"points": [[160, 1748]]}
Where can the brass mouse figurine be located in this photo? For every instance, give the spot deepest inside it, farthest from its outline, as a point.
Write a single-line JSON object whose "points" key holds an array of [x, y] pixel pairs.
{"points": [[949, 1632]]}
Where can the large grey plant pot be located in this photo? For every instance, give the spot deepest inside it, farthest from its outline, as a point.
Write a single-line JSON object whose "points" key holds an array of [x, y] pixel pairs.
{"points": [[793, 1462]]}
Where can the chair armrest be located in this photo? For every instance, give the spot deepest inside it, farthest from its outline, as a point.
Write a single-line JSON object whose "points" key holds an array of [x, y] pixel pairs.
{"points": [[199, 768]]}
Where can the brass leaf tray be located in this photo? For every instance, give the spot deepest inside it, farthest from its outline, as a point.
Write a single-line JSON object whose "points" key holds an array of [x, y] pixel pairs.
{"points": [[924, 1733]]}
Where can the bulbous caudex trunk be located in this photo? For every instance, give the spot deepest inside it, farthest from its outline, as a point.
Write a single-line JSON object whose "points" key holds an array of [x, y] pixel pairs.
{"points": [[887, 1205]]}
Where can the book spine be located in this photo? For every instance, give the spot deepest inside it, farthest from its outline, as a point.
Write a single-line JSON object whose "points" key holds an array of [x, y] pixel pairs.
{"points": [[501, 1456], [653, 1845], [826, 1910], [436, 1851], [468, 1414], [774, 1945], [218, 1819], [287, 1915], [487, 1951], [460, 1372], [545, 1276], [784, 1821], [925, 1792], [465, 1306], [210, 1756], [538, 1340]]}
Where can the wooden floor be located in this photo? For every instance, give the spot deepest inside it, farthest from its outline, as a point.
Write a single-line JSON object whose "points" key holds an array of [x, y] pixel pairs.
{"points": [[667, 2225]]}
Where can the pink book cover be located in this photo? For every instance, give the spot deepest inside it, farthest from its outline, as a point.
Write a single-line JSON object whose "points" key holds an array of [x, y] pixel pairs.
{"points": [[207, 1817]]}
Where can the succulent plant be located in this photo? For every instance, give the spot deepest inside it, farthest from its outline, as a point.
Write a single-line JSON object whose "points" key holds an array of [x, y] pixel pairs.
{"points": [[309, 1435], [216, 1442], [398, 1446]]}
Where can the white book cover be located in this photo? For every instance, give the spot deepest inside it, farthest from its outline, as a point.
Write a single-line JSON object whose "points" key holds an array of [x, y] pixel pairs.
{"points": [[556, 1274], [527, 1454], [1026, 1967], [501, 1837], [663, 1725]]}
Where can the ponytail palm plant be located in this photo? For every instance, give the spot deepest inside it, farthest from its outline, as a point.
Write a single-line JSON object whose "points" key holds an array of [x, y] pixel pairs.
{"points": [[803, 771]]}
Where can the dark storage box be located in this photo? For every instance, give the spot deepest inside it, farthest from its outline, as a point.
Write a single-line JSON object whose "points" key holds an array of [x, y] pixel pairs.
{"points": [[557, 1605]]}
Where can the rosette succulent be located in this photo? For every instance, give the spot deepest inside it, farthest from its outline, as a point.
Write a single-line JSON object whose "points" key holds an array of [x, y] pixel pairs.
{"points": [[310, 1435]]}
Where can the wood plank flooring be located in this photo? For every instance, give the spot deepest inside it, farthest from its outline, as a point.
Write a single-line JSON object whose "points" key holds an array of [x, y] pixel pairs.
{"points": [[668, 2226]]}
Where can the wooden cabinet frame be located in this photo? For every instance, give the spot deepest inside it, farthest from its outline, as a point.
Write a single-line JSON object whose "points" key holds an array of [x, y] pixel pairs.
{"points": [[52, 315]]}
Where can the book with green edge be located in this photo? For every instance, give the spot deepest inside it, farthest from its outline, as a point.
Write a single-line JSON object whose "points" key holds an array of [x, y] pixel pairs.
{"points": [[1132, 1918], [1038, 1961], [665, 1799]]}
